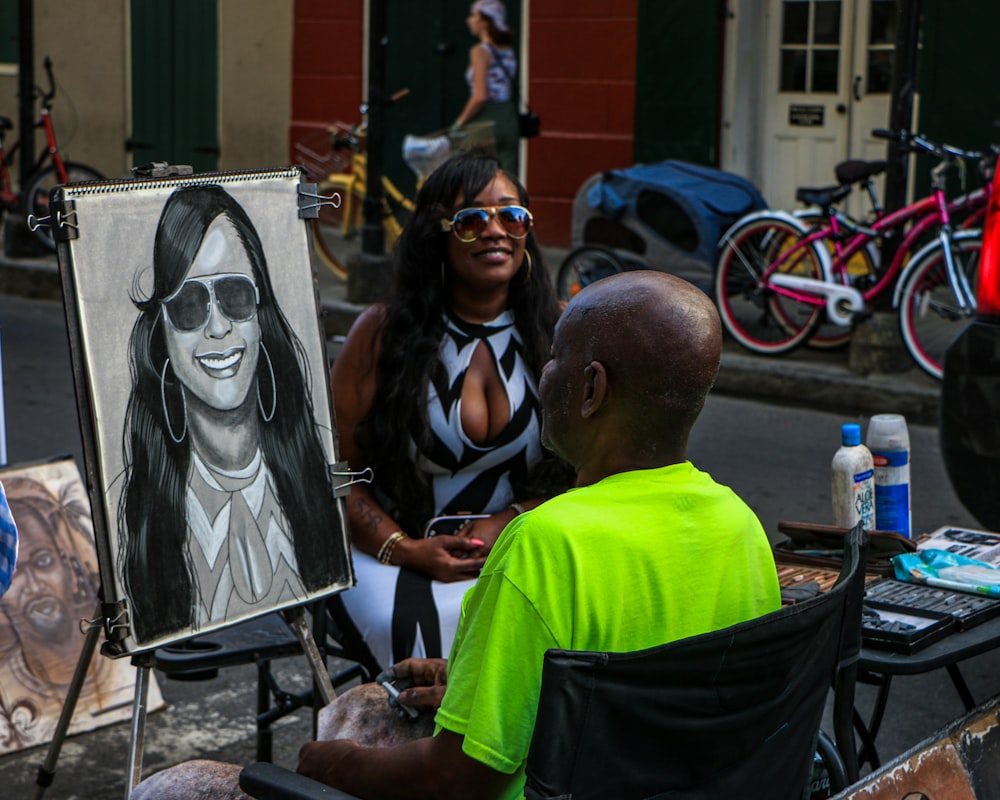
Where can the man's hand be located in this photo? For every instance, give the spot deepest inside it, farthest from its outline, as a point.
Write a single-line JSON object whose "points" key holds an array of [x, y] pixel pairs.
{"points": [[321, 760], [432, 766], [421, 681]]}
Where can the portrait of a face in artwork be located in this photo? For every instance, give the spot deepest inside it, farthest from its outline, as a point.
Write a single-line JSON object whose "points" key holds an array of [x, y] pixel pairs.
{"points": [[54, 588], [227, 505]]}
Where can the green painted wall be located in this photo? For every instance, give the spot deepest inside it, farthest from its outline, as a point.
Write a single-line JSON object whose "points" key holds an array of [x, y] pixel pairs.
{"points": [[678, 81], [958, 81], [427, 52], [175, 83]]}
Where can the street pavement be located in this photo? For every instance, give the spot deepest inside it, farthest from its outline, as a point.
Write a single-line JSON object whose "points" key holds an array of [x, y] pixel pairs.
{"points": [[214, 719], [806, 377]]}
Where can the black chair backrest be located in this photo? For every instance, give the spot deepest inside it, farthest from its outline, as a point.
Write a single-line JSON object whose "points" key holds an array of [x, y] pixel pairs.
{"points": [[733, 713]]}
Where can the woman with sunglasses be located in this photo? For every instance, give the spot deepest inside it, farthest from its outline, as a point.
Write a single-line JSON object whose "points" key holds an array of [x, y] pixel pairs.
{"points": [[436, 391], [227, 503]]}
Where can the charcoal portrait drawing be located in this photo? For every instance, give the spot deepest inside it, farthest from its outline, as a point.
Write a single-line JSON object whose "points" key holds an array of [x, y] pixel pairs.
{"points": [[227, 505]]}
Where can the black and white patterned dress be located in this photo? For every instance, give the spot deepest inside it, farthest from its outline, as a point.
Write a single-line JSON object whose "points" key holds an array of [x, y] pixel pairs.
{"points": [[401, 613]]}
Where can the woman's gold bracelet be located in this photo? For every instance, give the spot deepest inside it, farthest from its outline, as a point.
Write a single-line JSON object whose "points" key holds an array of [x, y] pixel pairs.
{"points": [[385, 551]]}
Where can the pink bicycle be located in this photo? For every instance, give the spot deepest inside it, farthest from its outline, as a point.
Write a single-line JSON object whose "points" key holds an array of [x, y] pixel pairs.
{"points": [[778, 279]]}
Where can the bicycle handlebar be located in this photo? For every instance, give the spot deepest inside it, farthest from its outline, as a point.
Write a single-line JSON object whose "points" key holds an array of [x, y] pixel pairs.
{"points": [[395, 97], [352, 139], [392, 98], [48, 96], [917, 141]]}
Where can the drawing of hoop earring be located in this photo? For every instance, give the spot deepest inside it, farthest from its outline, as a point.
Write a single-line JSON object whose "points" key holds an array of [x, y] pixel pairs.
{"points": [[526, 264], [166, 413], [274, 388]]}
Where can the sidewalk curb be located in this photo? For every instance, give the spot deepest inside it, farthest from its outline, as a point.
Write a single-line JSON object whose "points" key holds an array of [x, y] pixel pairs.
{"points": [[828, 387], [31, 278]]}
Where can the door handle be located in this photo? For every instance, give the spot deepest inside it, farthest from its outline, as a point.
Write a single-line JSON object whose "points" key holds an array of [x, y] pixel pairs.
{"points": [[857, 87]]}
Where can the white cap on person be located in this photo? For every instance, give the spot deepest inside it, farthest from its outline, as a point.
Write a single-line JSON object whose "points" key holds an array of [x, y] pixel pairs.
{"points": [[495, 10]]}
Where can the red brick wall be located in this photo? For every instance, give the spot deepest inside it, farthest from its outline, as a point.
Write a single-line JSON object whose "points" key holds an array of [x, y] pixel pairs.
{"points": [[327, 65], [581, 81], [582, 57]]}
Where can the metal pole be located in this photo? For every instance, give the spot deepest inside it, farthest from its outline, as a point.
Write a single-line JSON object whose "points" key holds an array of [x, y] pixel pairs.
{"points": [[26, 88], [144, 663], [904, 86], [372, 233]]}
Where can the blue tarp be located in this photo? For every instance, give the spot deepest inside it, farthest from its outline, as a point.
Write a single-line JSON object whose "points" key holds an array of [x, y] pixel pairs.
{"points": [[712, 199]]}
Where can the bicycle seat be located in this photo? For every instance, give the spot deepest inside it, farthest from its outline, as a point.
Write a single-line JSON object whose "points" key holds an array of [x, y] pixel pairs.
{"points": [[6, 124], [824, 196], [855, 170]]}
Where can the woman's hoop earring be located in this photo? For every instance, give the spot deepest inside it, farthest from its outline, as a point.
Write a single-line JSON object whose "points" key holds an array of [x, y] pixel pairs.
{"points": [[274, 388], [166, 414], [526, 264]]}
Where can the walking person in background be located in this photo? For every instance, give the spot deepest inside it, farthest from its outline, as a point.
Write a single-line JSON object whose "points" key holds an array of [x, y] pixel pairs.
{"points": [[491, 74]]}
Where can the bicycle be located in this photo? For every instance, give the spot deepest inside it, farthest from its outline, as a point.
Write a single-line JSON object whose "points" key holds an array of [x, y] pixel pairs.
{"points": [[591, 262], [341, 179], [34, 200], [777, 281]]}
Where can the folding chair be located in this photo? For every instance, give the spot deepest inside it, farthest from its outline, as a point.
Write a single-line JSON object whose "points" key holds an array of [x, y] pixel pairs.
{"points": [[733, 713], [260, 641]]}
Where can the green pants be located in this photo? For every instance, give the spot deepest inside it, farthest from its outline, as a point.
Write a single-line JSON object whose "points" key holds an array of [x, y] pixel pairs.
{"points": [[505, 132]]}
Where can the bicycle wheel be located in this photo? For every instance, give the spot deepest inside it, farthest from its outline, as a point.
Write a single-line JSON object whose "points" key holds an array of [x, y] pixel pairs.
{"points": [[583, 266], [333, 226], [757, 315], [323, 244], [36, 193], [861, 272], [930, 316]]}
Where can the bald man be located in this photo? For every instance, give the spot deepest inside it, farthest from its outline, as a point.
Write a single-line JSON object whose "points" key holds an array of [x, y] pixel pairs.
{"points": [[644, 550]]}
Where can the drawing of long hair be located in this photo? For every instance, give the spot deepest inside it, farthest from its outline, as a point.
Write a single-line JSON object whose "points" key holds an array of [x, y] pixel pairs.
{"points": [[151, 513]]}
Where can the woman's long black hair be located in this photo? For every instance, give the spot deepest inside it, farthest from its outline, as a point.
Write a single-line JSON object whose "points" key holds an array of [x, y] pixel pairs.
{"points": [[414, 324], [151, 515]]}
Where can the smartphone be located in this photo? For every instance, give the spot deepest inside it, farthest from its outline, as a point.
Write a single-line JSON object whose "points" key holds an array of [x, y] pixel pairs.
{"points": [[449, 524]]}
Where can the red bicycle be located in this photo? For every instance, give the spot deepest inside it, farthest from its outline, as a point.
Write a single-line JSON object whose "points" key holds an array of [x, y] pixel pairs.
{"points": [[50, 170]]}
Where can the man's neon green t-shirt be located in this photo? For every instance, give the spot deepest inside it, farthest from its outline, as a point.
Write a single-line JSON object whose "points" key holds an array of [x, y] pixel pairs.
{"points": [[639, 559]]}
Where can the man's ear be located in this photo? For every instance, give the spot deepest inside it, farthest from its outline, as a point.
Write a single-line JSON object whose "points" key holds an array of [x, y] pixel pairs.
{"points": [[595, 388]]}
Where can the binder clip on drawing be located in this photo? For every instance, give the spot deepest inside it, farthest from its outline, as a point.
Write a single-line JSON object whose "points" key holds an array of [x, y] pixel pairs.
{"points": [[311, 201]]}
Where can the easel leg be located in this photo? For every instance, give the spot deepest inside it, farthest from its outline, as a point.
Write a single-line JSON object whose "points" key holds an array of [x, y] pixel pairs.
{"points": [[296, 619], [47, 771], [143, 662]]}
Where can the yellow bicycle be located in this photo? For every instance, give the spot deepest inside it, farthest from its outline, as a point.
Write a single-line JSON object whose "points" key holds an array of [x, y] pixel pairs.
{"points": [[337, 160], [341, 183]]}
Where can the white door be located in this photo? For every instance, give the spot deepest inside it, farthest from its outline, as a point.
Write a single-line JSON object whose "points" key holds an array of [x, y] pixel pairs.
{"points": [[827, 83]]}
